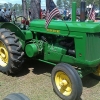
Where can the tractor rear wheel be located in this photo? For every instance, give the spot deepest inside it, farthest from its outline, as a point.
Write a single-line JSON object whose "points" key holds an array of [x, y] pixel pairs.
{"points": [[66, 82], [11, 54], [16, 96]]}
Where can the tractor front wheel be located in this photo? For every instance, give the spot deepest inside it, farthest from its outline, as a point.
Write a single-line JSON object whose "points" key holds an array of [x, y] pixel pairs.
{"points": [[66, 82], [11, 55]]}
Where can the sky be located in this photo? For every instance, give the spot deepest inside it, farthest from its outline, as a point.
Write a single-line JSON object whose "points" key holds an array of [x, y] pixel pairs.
{"points": [[20, 1], [11, 1]]}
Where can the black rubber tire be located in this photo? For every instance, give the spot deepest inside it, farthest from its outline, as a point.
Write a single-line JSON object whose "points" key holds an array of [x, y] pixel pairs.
{"points": [[14, 49], [16, 96], [74, 78]]}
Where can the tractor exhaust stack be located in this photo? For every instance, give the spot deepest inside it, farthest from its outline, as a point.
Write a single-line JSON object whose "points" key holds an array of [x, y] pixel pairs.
{"points": [[82, 11], [74, 11]]}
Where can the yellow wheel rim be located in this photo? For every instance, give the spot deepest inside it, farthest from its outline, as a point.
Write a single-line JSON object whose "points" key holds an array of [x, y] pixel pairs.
{"points": [[3, 55], [63, 83], [97, 72]]}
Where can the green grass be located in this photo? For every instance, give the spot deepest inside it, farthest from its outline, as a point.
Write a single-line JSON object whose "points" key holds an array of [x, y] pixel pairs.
{"points": [[35, 82]]}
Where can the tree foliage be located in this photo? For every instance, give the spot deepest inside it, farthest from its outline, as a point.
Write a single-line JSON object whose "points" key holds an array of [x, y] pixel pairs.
{"points": [[65, 3], [59, 3], [6, 5], [68, 3], [17, 7]]}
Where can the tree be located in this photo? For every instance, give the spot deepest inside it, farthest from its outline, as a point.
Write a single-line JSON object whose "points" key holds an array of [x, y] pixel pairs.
{"points": [[65, 3], [59, 3], [68, 3], [10, 5], [6, 5], [24, 9], [1, 6], [15, 6], [77, 1], [47, 4], [35, 9], [19, 9], [28, 3]]}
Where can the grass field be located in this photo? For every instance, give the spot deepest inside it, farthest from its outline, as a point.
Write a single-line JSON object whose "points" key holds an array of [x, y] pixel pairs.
{"points": [[35, 82]]}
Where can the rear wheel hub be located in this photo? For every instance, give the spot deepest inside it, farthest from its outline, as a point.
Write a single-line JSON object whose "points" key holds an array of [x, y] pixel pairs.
{"points": [[3, 55]]}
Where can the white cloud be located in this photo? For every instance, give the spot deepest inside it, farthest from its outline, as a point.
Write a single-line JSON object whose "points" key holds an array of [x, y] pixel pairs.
{"points": [[4, 1]]}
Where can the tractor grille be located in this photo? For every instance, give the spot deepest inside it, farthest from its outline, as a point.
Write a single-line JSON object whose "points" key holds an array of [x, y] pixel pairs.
{"points": [[93, 46]]}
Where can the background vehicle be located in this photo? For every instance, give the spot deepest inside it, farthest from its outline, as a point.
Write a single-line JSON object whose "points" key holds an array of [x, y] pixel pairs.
{"points": [[16, 96]]}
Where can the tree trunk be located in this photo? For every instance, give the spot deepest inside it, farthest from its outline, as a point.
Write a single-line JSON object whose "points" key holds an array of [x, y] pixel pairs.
{"points": [[24, 8], [35, 9], [47, 4]]}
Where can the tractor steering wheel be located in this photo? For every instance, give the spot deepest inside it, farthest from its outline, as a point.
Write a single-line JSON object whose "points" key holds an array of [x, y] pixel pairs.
{"points": [[20, 18], [18, 21]]}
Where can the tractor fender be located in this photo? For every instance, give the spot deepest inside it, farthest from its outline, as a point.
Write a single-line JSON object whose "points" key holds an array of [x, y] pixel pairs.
{"points": [[14, 28]]}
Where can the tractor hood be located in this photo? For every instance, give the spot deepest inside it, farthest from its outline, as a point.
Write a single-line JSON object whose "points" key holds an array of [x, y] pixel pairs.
{"points": [[64, 26], [54, 24]]}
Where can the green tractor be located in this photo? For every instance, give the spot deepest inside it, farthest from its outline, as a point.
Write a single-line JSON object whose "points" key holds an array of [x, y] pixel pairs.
{"points": [[71, 46]]}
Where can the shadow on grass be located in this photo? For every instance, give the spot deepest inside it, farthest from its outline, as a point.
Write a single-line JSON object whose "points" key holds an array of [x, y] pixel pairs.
{"points": [[89, 81], [36, 67], [41, 67], [79, 99]]}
